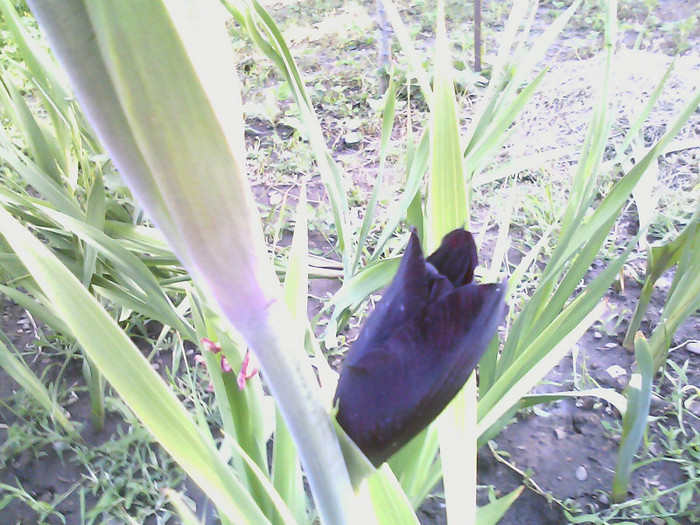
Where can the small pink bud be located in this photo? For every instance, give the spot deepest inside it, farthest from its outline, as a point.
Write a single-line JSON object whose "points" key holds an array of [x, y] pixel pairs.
{"points": [[199, 359], [245, 372], [210, 345], [225, 367]]}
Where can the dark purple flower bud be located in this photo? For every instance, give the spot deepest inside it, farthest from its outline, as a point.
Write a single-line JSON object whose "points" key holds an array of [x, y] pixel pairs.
{"points": [[418, 347]]}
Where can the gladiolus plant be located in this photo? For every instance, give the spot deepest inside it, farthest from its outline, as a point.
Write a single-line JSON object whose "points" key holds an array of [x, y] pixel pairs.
{"points": [[157, 93]]}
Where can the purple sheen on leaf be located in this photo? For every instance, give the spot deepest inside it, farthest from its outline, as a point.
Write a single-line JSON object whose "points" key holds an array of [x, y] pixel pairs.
{"points": [[399, 377]]}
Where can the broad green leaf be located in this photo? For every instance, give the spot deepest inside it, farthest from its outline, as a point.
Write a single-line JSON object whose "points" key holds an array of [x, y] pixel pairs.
{"points": [[390, 503], [158, 82], [286, 469], [131, 375], [72, 37], [416, 466], [447, 208]]}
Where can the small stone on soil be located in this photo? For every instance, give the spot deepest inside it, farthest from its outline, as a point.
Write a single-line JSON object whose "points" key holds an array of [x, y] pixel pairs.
{"points": [[275, 199], [581, 473], [353, 124], [354, 137], [587, 403], [616, 371], [694, 408], [693, 347]]}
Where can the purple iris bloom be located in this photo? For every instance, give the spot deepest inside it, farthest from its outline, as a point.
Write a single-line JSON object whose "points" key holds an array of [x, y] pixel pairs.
{"points": [[419, 346]]}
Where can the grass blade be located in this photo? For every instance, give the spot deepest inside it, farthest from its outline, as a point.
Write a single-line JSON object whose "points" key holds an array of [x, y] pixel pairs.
{"points": [[635, 421], [406, 43], [490, 514]]}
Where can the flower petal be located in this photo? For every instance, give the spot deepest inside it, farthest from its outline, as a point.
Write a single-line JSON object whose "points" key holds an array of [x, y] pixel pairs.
{"points": [[406, 296], [438, 285], [456, 258], [388, 393]]}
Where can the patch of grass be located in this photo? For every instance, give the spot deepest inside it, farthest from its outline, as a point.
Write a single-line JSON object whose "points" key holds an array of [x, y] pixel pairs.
{"points": [[31, 432], [127, 474], [671, 491], [121, 472]]}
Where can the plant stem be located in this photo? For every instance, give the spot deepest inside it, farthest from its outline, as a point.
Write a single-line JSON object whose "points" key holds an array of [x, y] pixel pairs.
{"points": [[287, 372]]}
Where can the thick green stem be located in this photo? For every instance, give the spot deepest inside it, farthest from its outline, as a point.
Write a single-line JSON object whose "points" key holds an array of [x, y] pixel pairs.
{"points": [[286, 370]]}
